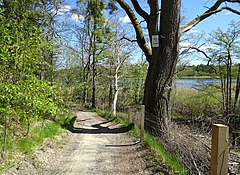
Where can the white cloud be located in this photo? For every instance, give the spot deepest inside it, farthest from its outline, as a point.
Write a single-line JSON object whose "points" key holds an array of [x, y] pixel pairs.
{"points": [[184, 45], [62, 9], [204, 48], [228, 13], [193, 31], [125, 19], [77, 18]]}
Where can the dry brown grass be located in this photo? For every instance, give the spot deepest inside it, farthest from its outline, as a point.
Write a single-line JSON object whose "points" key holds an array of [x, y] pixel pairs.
{"points": [[192, 149]]}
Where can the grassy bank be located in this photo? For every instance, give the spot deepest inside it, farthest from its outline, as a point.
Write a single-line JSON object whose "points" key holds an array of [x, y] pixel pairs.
{"points": [[168, 159], [190, 104], [26, 145]]}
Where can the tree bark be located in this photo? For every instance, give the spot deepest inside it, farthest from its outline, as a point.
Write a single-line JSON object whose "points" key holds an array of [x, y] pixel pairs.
{"points": [[237, 90], [110, 94], [94, 66], [115, 101], [160, 71], [118, 65], [95, 21], [5, 132]]}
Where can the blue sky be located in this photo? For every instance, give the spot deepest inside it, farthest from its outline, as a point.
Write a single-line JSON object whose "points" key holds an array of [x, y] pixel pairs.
{"points": [[190, 10], [193, 8]]}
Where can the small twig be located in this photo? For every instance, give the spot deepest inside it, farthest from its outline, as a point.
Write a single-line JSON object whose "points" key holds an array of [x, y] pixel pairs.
{"points": [[195, 163], [205, 145]]}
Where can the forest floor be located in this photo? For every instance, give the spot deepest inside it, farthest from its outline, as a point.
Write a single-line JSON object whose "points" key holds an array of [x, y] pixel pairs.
{"points": [[94, 146]]}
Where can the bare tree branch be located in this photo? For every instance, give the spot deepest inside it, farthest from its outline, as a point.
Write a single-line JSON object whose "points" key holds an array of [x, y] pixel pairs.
{"points": [[138, 29], [154, 17], [232, 10], [201, 51], [140, 11], [232, 0], [127, 39], [213, 10], [205, 54]]}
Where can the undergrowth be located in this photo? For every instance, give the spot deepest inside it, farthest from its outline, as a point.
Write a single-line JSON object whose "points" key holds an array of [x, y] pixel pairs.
{"points": [[190, 104], [152, 143], [25, 145]]}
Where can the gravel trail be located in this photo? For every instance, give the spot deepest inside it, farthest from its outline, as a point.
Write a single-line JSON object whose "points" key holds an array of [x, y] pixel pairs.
{"points": [[102, 147], [95, 146]]}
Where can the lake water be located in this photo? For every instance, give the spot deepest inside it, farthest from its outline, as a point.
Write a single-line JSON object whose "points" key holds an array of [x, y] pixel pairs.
{"points": [[193, 83]]}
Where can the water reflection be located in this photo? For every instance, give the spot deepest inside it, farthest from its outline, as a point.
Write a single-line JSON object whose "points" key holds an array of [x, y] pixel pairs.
{"points": [[194, 83]]}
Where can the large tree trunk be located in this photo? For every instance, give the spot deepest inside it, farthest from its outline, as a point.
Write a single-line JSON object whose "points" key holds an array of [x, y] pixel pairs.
{"points": [[161, 68]]}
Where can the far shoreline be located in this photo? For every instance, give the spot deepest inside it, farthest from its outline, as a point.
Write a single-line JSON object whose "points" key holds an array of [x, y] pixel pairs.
{"points": [[199, 77]]}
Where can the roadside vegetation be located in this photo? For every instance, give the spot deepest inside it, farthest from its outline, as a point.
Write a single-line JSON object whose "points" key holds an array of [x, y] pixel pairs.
{"points": [[193, 104], [31, 108], [17, 146]]}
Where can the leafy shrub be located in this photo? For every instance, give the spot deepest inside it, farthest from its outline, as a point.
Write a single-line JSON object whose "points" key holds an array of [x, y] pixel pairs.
{"points": [[26, 94]]}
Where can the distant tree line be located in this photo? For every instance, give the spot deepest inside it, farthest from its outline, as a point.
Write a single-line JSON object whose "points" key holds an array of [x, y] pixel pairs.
{"points": [[209, 71]]}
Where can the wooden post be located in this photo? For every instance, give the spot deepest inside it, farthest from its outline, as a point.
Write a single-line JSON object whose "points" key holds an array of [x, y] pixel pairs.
{"points": [[219, 153], [142, 123], [129, 114]]}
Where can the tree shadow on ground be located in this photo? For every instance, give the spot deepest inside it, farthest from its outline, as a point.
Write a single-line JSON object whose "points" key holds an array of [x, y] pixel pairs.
{"points": [[124, 145], [99, 129]]}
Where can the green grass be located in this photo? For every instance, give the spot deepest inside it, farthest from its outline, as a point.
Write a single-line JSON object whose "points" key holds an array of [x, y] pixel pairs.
{"points": [[9, 143], [190, 103], [6, 165], [37, 136], [47, 130], [26, 145], [167, 158], [152, 143]]}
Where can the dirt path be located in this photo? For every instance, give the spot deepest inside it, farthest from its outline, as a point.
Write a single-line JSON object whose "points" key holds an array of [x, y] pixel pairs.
{"points": [[94, 147], [101, 147]]}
